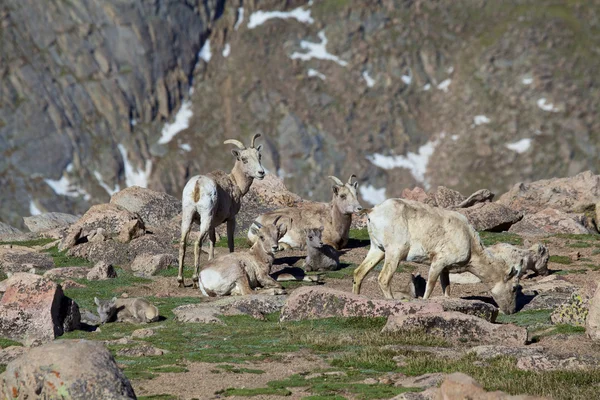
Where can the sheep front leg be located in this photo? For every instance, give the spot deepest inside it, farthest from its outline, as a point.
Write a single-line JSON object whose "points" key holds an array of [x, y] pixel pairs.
{"points": [[373, 257], [434, 273], [230, 233], [392, 259], [212, 238], [445, 282], [266, 281]]}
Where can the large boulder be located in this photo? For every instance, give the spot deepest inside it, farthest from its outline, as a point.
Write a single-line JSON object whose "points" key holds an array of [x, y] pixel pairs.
{"points": [[416, 194], [148, 265], [155, 208], [314, 302], [49, 221], [34, 309], [548, 221], [256, 306], [67, 273], [101, 272], [447, 198], [109, 221], [457, 327], [563, 194], [459, 386], [476, 308], [592, 323], [575, 309], [547, 293], [491, 217], [6, 231], [23, 259], [73, 369]]}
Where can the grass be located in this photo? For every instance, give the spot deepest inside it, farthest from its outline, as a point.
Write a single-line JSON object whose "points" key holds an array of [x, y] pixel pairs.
{"points": [[61, 259], [566, 260], [527, 318], [30, 243], [580, 245], [491, 238], [238, 242], [255, 392], [579, 237], [4, 343]]}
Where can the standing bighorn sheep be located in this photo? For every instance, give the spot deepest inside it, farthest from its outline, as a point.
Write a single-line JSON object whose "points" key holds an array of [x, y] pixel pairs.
{"points": [[215, 198], [408, 230], [239, 273], [335, 216]]}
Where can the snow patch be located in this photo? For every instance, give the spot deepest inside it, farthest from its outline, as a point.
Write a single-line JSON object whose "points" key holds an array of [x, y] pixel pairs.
{"points": [[444, 85], [372, 195], [520, 146], [314, 72], [185, 147], [63, 186], [427, 87], [481, 119], [527, 81], [454, 137], [370, 81], [258, 18], [240, 18], [133, 122], [317, 50], [415, 162], [407, 79], [108, 189], [226, 50], [450, 70], [33, 210], [205, 53], [133, 176], [182, 121], [544, 105]]}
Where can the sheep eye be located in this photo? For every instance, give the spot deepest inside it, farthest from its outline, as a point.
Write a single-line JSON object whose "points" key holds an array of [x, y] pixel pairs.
{"points": [[262, 237], [310, 238], [342, 196], [245, 160]]}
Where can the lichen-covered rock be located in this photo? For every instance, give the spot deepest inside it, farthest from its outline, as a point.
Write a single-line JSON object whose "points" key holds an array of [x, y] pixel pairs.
{"points": [[492, 217], [447, 198], [154, 207], [67, 272], [148, 264], [101, 271], [548, 221], [313, 302], [459, 386], [574, 311], [476, 308], [23, 259], [547, 293], [256, 306], [73, 369], [48, 221]]}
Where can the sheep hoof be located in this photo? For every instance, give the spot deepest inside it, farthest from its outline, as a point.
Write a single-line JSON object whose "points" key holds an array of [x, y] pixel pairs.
{"points": [[181, 285]]}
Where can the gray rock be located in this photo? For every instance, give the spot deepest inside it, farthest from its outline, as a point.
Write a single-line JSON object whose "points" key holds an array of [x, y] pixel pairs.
{"points": [[148, 265], [22, 259], [154, 207], [101, 272], [548, 221], [493, 217], [10, 353], [257, 306], [447, 198], [476, 308], [49, 221], [67, 272], [81, 369]]}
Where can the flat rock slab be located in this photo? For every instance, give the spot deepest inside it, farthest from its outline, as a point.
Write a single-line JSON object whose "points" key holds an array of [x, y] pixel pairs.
{"points": [[67, 272], [23, 259], [146, 265], [490, 216], [548, 221], [141, 351], [548, 293], [321, 302], [476, 308], [48, 221], [257, 306], [459, 386], [458, 327]]}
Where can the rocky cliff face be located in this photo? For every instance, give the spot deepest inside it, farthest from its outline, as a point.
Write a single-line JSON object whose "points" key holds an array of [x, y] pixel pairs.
{"points": [[95, 95]]}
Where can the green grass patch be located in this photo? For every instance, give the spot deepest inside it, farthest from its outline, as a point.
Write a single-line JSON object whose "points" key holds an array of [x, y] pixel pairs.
{"points": [[4, 343], [566, 260], [238, 242], [570, 271], [359, 234], [370, 358], [593, 267], [491, 238], [341, 273], [254, 392], [239, 370], [61, 259], [30, 243], [560, 329], [2, 368], [579, 237], [580, 245], [527, 318]]}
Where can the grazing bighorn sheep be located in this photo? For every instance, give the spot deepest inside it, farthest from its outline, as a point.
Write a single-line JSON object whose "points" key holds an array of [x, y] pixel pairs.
{"points": [[238, 273], [320, 256], [135, 310], [535, 258], [408, 230], [215, 198], [335, 216]]}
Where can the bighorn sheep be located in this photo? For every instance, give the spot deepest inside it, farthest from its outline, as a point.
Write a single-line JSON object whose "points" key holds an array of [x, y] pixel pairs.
{"points": [[335, 216], [408, 230], [215, 198], [320, 256], [135, 310], [239, 273], [535, 258]]}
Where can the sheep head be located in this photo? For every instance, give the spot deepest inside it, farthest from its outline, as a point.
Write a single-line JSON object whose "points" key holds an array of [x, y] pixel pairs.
{"points": [[344, 195], [248, 158], [505, 292]]}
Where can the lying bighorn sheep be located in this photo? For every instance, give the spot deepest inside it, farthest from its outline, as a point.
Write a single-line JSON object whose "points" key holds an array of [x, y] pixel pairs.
{"points": [[239, 273], [320, 256], [215, 198], [535, 258], [335, 216], [408, 230], [135, 310]]}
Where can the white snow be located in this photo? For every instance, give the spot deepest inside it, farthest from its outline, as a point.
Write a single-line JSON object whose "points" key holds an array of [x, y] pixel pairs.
{"points": [[481, 119], [63, 186], [133, 122], [450, 70], [427, 86], [310, 3], [185, 147], [527, 81], [134, 177], [520, 146], [370, 81], [258, 18], [33, 210], [372, 195], [226, 50], [407, 79], [108, 189], [317, 50], [240, 18], [454, 137], [444, 85], [205, 52], [544, 105], [314, 72], [182, 121], [415, 162]]}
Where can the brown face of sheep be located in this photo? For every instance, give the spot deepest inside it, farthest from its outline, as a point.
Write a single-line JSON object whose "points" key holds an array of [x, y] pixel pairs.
{"points": [[314, 237], [248, 158], [345, 196], [268, 235], [505, 292], [543, 255]]}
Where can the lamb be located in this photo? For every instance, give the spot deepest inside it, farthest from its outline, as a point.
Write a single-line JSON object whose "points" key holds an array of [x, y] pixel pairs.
{"points": [[134, 310], [215, 198], [406, 230], [239, 273], [335, 216], [321, 257], [535, 258]]}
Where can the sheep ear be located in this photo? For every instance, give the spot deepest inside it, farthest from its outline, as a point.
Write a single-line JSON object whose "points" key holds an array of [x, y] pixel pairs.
{"points": [[335, 189], [282, 229], [113, 300], [355, 184], [97, 301], [259, 147], [236, 153], [254, 229], [512, 272], [321, 228]]}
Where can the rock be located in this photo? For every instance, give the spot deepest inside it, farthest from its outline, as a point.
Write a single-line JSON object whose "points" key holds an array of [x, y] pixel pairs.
{"points": [[549, 292], [89, 318], [422, 381], [21, 259], [491, 351], [197, 313], [592, 324], [141, 351], [457, 327], [416, 194], [547, 362], [154, 207], [271, 191], [447, 198], [149, 265], [69, 284], [67, 272], [77, 369], [492, 217], [142, 333], [476, 308], [6, 230], [575, 309], [257, 306], [116, 223], [427, 394], [464, 278], [561, 194], [480, 196], [49, 221], [458, 386], [10, 353], [548, 221], [35, 309], [101, 272], [313, 302]]}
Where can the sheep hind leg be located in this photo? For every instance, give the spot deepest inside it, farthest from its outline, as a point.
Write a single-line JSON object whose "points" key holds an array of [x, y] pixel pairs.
{"points": [[434, 273], [392, 259], [186, 225], [204, 229], [445, 282], [373, 257]]}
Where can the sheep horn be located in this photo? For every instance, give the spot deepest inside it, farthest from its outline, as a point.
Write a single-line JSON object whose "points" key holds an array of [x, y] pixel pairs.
{"points": [[256, 135], [258, 224], [350, 180], [235, 142], [336, 181]]}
